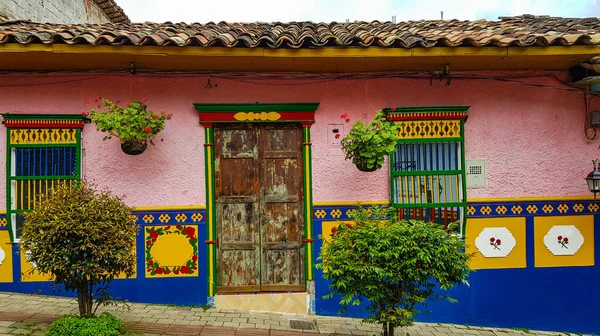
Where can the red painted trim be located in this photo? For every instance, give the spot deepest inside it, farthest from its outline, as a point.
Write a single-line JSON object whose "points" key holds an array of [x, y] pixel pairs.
{"points": [[208, 145], [305, 117], [20, 124], [210, 242], [308, 240], [206, 124], [307, 143], [307, 124]]}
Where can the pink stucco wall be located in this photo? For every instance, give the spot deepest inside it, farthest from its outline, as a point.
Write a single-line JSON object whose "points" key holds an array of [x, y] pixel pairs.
{"points": [[532, 138]]}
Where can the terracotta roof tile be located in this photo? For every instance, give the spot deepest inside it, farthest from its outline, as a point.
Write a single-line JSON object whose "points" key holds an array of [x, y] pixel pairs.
{"points": [[113, 11], [526, 30]]}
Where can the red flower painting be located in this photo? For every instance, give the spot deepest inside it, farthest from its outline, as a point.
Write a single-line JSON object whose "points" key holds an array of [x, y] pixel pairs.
{"points": [[563, 241], [154, 267], [189, 231], [495, 243]]}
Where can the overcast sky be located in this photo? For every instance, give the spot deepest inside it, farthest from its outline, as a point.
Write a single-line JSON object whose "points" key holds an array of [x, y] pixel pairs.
{"points": [[340, 10]]}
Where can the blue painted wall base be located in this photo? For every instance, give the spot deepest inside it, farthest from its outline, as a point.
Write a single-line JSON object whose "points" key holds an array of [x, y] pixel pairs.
{"points": [[553, 299]]}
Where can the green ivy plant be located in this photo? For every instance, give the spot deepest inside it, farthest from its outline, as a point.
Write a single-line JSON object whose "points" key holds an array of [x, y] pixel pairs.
{"points": [[368, 144], [134, 122], [395, 267]]}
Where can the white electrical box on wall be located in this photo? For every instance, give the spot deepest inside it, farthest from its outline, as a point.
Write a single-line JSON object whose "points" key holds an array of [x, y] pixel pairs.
{"points": [[335, 134], [476, 174]]}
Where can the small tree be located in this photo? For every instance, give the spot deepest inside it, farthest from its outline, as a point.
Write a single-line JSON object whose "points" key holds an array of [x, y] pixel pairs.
{"points": [[394, 265], [83, 238]]}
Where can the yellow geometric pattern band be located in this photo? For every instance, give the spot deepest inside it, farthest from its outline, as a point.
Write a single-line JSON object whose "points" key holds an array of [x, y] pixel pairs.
{"points": [[43, 136], [429, 129]]}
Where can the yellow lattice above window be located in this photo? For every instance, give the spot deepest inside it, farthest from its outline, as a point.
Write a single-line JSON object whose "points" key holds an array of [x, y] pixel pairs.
{"points": [[43, 136], [429, 129]]}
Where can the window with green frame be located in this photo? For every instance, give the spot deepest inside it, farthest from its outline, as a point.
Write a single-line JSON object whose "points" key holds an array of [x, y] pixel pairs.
{"points": [[41, 151], [427, 170]]}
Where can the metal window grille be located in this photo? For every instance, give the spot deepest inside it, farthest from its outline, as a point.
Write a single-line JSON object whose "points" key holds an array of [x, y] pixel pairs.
{"points": [[36, 167], [427, 171]]}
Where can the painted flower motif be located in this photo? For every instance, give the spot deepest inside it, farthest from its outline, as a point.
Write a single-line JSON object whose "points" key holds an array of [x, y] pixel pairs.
{"points": [[495, 243], [334, 230], [394, 108], [337, 136], [84, 113], [148, 129], [189, 231], [153, 267], [563, 241], [347, 119], [344, 116]]}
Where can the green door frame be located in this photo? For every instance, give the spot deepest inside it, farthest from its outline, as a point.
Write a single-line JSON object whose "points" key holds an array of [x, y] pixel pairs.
{"points": [[210, 114]]}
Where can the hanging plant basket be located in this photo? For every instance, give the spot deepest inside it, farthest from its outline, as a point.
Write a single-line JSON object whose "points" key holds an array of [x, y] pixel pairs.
{"points": [[361, 164], [134, 125], [133, 147]]}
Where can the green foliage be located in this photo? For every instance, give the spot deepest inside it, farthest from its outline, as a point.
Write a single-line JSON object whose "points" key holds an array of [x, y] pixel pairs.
{"points": [[83, 238], [134, 122], [104, 325], [371, 142], [394, 265]]}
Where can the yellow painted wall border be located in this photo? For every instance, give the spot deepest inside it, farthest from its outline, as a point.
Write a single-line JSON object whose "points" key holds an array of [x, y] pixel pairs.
{"points": [[341, 203], [168, 207], [531, 199], [473, 200], [325, 52]]}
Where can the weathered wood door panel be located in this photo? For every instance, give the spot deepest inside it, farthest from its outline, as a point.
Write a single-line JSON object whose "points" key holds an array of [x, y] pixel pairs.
{"points": [[281, 203], [259, 207], [239, 249], [237, 205]]}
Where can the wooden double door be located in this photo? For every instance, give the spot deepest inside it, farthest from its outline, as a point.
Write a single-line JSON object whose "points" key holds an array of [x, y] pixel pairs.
{"points": [[259, 207]]}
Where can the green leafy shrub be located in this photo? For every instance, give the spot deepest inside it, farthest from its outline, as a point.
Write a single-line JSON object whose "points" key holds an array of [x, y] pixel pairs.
{"points": [[104, 325], [368, 144], [395, 266], [83, 238]]}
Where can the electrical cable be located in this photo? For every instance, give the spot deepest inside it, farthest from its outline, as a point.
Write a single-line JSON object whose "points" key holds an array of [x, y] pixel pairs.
{"points": [[311, 78]]}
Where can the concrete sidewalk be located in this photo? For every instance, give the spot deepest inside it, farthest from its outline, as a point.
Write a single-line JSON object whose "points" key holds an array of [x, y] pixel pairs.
{"points": [[31, 314]]}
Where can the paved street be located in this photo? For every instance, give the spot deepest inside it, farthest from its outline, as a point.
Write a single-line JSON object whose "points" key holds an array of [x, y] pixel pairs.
{"points": [[31, 314]]}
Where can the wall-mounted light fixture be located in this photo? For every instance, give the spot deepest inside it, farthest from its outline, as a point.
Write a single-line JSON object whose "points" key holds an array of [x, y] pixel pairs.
{"points": [[593, 178]]}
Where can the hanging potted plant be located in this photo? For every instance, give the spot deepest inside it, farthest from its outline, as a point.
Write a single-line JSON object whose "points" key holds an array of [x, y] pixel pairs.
{"points": [[368, 144], [134, 124]]}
